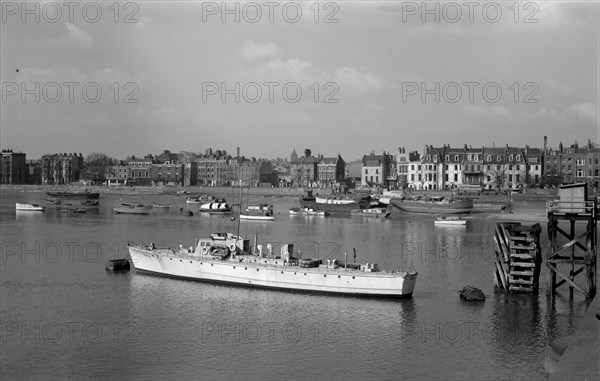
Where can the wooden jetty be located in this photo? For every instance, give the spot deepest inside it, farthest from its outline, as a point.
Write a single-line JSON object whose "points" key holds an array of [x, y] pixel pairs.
{"points": [[578, 255], [518, 257]]}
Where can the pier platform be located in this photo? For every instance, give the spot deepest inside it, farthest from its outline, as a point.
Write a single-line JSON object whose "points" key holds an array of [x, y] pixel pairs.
{"points": [[582, 357]]}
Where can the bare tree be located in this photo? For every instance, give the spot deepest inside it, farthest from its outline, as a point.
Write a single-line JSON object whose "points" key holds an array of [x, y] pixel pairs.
{"points": [[498, 174], [98, 164]]}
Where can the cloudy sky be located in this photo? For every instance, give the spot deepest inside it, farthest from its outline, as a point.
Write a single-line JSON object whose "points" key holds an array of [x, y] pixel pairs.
{"points": [[336, 77]]}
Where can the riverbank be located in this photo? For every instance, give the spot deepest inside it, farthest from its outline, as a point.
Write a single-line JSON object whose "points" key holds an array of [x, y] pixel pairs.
{"points": [[166, 190]]}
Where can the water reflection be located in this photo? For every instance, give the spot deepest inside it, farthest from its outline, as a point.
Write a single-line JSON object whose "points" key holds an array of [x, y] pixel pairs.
{"points": [[186, 329]]}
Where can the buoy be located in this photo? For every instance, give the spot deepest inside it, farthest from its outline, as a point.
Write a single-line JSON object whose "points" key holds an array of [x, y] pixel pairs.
{"points": [[118, 265], [472, 294], [190, 213]]}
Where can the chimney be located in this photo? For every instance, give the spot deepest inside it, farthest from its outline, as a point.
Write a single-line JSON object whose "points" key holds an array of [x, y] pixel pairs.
{"points": [[545, 141], [307, 152]]}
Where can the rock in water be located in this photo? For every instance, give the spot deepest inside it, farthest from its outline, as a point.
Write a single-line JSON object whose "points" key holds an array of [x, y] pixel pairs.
{"points": [[472, 294]]}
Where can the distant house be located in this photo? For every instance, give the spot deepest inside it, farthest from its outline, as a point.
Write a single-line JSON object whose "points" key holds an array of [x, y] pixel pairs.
{"points": [[330, 170], [376, 170], [14, 168], [304, 171]]}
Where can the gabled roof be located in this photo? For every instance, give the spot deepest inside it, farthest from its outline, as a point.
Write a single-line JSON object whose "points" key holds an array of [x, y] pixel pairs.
{"points": [[329, 160], [308, 160]]}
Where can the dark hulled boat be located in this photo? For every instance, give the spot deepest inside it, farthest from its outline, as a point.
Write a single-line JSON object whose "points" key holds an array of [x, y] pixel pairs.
{"points": [[337, 204], [433, 205], [85, 194]]}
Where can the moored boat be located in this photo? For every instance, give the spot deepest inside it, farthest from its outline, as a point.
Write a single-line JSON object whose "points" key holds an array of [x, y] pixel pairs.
{"points": [[90, 203], [371, 212], [132, 208], [216, 208], [450, 221], [84, 194], [387, 196], [262, 212], [437, 205], [225, 258], [155, 205], [308, 212], [31, 207], [336, 204], [201, 199]]}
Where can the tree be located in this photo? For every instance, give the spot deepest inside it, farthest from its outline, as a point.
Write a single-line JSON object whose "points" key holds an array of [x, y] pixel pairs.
{"points": [[97, 164], [498, 176]]}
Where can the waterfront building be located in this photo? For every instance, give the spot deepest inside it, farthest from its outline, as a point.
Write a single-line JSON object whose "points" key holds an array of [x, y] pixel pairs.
{"points": [[402, 160], [376, 170], [533, 159], [61, 168], [304, 170], [330, 170], [431, 172], [14, 168], [473, 166], [33, 173], [213, 168], [354, 171], [167, 173], [453, 167]]}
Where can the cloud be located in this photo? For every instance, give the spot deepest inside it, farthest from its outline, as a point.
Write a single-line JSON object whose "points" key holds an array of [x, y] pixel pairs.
{"points": [[584, 111], [79, 36], [545, 112], [253, 52], [357, 79]]}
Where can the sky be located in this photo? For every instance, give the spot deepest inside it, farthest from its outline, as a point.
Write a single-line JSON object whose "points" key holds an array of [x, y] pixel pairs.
{"points": [[342, 77]]}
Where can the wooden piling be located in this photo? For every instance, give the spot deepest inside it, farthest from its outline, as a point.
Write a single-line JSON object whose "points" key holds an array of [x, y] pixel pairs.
{"points": [[518, 257], [578, 255]]}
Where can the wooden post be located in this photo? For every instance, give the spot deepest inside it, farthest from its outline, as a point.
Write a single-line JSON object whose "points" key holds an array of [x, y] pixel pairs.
{"points": [[578, 255]]}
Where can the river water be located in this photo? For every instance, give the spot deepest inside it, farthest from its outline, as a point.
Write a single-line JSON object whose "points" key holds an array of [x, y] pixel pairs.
{"points": [[64, 317]]}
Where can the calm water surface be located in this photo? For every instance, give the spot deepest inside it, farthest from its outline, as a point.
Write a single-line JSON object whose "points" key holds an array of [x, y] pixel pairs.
{"points": [[63, 316]]}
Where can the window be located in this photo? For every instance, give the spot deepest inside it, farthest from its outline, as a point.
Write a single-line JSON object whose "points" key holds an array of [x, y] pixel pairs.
{"points": [[489, 158], [488, 167], [435, 158], [510, 157], [377, 171], [366, 171], [499, 158], [469, 157], [518, 157], [447, 157], [456, 177], [476, 157], [428, 157], [456, 158]]}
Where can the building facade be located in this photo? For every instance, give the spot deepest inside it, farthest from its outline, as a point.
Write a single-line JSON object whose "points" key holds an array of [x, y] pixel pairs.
{"points": [[14, 168], [61, 168]]}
